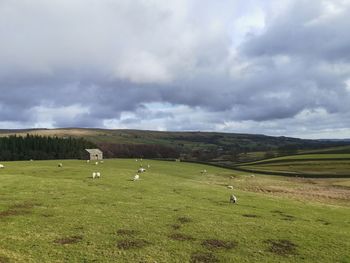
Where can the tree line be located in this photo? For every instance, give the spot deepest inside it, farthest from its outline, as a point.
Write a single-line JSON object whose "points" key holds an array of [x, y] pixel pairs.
{"points": [[13, 148], [114, 150]]}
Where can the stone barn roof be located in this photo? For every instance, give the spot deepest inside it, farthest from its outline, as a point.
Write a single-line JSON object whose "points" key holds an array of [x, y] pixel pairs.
{"points": [[93, 151]]}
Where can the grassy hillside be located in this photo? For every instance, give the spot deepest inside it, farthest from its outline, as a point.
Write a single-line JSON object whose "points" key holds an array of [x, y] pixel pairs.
{"points": [[307, 165], [173, 214], [204, 146]]}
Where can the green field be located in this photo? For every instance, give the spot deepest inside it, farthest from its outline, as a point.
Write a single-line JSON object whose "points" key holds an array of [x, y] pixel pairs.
{"points": [[307, 165], [172, 214]]}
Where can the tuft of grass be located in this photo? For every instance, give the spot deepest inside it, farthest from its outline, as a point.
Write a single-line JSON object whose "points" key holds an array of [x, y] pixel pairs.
{"points": [[68, 240], [184, 219], [127, 232]]}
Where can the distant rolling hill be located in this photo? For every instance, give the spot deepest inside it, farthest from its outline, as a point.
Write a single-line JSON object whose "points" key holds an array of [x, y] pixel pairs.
{"points": [[214, 147]]}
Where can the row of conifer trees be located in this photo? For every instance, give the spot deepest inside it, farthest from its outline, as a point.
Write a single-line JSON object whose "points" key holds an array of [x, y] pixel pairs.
{"points": [[36, 147]]}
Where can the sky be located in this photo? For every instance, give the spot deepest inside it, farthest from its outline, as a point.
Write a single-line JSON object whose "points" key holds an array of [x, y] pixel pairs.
{"points": [[275, 67]]}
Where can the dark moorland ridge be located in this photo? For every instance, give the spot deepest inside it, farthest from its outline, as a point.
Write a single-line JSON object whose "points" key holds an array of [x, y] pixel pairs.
{"points": [[213, 147]]}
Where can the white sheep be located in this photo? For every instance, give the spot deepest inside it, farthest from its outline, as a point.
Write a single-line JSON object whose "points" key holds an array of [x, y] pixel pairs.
{"points": [[148, 166], [252, 175], [93, 175], [230, 187], [141, 170], [60, 165], [96, 163], [101, 161], [98, 174], [87, 161], [233, 199], [2, 166], [136, 177], [204, 171]]}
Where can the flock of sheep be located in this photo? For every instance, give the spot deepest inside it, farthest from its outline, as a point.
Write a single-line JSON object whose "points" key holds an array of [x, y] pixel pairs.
{"points": [[233, 198], [140, 170]]}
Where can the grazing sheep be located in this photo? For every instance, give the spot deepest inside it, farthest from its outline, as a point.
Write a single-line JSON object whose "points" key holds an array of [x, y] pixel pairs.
{"points": [[231, 177], [230, 187], [204, 171], [233, 199], [87, 161], [148, 166], [60, 165], [31, 160], [98, 174], [252, 175], [2, 166], [93, 175], [101, 161], [141, 170], [96, 163], [136, 160], [136, 177]]}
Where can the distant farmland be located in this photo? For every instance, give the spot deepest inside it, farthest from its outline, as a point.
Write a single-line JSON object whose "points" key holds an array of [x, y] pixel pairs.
{"points": [[309, 165]]}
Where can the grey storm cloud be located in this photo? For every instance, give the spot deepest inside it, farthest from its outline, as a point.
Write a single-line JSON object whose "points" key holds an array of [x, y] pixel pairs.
{"points": [[240, 66]]}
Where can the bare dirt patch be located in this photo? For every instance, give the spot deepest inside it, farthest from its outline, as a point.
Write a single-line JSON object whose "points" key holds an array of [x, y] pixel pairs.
{"points": [[68, 240], [18, 209], [250, 215], [284, 216], [10, 212], [282, 247], [127, 232], [24, 206], [132, 243], [176, 226], [4, 259], [181, 237], [318, 190], [46, 215], [203, 257], [324, 222], [217, 244], [184, 219]]}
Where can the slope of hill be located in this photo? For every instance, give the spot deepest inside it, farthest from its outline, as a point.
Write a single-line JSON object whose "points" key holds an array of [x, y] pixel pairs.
{"points": [[201, 146], [172, 214]]}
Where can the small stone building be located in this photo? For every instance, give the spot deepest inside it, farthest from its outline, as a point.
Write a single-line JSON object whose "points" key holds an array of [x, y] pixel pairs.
{"points": [[94, 154]]}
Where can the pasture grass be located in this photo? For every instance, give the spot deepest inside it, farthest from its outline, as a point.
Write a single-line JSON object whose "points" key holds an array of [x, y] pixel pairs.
{"points": [[172, 214]]}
